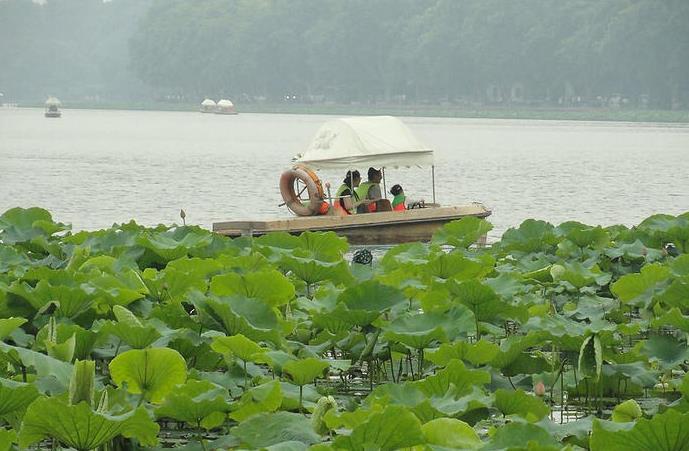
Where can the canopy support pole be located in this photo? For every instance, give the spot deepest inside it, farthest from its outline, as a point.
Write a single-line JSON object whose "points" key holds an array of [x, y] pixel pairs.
{"points": [[385, 190], [433, 178], [351, 190]]}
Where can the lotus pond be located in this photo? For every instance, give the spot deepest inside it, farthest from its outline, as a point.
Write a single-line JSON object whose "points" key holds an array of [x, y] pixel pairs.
{"points": [[568, 336]]}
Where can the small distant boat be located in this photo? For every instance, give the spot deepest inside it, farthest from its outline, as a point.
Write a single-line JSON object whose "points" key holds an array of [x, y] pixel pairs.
{"points": [[346, 144], [208, 106], [225, 106], [52, 107]]}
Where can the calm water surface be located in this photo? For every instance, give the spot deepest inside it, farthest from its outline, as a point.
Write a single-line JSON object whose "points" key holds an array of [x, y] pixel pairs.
{"points": [[95, 168]]}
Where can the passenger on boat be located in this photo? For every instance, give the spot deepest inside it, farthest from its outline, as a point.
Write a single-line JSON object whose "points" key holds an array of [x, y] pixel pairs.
{"points": [[369, 192], [347, 198], [399, 202]]}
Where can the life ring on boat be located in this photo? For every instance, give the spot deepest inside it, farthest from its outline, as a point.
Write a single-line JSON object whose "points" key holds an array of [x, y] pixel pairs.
{"points": [[294, 182]]}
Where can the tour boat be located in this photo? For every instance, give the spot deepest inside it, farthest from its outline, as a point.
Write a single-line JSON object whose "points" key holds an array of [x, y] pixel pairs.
{"points": [[208, 106], [52, 107], [347, 144], [225, 106]]}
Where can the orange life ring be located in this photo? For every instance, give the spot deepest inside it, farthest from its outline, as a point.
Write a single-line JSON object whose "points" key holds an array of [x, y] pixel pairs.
{"points": [[313, 187]]}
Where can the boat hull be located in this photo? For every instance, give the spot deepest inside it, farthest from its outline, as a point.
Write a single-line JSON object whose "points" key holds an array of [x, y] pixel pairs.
{"points": [[53, 114], [372, 228]]}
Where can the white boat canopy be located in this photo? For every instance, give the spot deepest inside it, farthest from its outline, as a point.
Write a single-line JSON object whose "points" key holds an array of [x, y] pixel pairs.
{"points": [[208, 102], [225, 103], [53, 101], [359, 142]]}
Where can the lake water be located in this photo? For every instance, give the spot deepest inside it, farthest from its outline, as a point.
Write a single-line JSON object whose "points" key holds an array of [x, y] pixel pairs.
{"points": [[95, 168]]}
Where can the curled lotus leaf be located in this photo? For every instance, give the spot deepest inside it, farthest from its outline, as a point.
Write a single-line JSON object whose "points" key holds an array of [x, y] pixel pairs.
{"points": [[511, 402], [462, 233], [393, 428]]}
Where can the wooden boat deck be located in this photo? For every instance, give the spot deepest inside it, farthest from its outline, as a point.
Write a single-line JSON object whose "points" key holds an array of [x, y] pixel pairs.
{"points": [[371, 228]]}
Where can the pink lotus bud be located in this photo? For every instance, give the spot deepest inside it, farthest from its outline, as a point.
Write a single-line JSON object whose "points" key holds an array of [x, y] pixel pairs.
{"points": [[539, 389]]}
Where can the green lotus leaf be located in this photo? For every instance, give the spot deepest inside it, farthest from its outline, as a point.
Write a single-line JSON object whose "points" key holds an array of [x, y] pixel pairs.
{"points": [[509, 284], [456, 374], [478, 353], [177, 242], [667, 351], [531, 236], [636, 373], [174, 283], [70, 301], [674, 318], [585, 236], [19, 225], [626, 412], [153, 372], [130, 329], [484, 302], [15, 396], [522, 436], [11, 257], [420, 330], [302, 372], [325, 247], [82, 383], [458, 267], [266, 429], [591, 357], [680, 265], [676, 294], [62, 351], [82, 428], [371, 296], [263, 398], [579, 275], [392, 429], [638, 289], [238, 346], [462, 233], [668, 431], [194, 402], [591, 308], [511, 402], [513, 347], [84, 340], [662, 229], [45, 366], [451, 433], [269, 286], [250, 317], [313, 271], [8, 325], [636, 251], [7, 438], [405, 255]]}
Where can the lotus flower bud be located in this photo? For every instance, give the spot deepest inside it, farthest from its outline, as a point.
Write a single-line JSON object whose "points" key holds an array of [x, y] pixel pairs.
{"points": [[539, 389]]}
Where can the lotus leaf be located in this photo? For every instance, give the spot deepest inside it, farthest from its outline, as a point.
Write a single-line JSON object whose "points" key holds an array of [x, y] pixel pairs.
{"points": [[250, 317], [313, 271], [457, 374], [238, 346], [196, 403], [45, 366], [662, 229], [302, 372], [178, 242], [130, 329], [371, 296], [152, 372], [458, 267], [406, 255], [462, 233], [451, 433], [531, 236], [626, 412], [522, 436], [15, 396], [591, 357], [7, 438], [394, 428], [668, 431], [420, 330], [674, 318], [19, 225], [478, 353], [667, 351], [8, 325], [263, 398], [81, 428], [518, 402], [638, 289], [82, 383], [270, 286], [266, 429], [11, 257]]}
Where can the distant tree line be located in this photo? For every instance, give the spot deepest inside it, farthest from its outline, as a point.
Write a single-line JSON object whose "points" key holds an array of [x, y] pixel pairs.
{"points": [[540, 52]]}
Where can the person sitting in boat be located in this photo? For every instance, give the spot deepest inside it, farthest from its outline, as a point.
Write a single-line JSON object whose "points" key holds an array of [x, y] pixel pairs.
{"points": [[369, 192], [399, 201], [346, 195]]}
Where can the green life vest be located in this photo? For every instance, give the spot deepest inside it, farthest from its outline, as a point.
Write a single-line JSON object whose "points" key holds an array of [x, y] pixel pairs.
{"points": [[362, 190], [399, 199]]}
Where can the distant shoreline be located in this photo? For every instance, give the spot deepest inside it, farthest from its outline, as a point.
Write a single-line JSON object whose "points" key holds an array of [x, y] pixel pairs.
{"points": [[441, 111]]}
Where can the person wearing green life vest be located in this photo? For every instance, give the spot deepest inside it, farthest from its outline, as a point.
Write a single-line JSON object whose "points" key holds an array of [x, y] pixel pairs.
{"points": [[345, 192], [399, 201], [369, 191]]}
